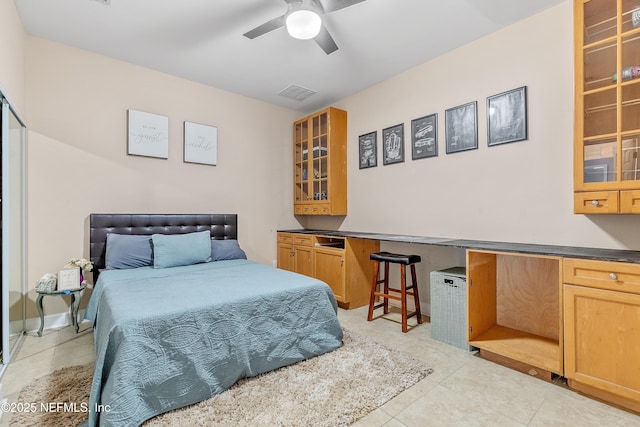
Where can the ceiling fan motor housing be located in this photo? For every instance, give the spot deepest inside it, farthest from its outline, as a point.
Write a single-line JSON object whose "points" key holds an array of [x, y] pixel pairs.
{"points": [[303, 19]]}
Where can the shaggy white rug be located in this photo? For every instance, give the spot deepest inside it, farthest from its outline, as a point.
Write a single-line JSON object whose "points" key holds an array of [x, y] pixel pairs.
{"points": [[335, 389]]}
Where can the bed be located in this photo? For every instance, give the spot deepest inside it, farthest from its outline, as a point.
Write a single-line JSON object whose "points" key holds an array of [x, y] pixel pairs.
{"points": [[174, 336]]}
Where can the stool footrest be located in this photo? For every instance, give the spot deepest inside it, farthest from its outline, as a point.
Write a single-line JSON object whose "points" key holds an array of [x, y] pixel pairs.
{"points": [[380, 294], [408, 288]]}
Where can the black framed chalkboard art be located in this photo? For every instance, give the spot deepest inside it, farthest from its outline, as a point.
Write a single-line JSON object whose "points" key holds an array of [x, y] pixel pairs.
{"points": [[424, 137], [461, 126], [368, 150], [393, 144], [507, 117]]}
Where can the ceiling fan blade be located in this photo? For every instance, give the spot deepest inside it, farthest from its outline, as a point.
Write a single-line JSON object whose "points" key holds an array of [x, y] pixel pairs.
{"points": [[268, 26], [333, 5], [325, 41]]}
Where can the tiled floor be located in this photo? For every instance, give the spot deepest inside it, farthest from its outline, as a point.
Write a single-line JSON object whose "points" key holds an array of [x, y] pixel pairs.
{"points": [[462, 391]]}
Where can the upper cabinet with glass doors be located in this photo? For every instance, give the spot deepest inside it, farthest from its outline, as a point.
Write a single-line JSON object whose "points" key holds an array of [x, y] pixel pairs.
{"points": [[320, 163], [607, 106]]}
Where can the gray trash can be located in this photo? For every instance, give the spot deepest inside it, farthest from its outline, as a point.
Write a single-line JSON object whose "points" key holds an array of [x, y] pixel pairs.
{"points": [[449, 307]]}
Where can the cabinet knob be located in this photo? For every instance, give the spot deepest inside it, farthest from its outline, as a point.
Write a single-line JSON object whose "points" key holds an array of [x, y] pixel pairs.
{"points": [[613, 276], [595, 203]]}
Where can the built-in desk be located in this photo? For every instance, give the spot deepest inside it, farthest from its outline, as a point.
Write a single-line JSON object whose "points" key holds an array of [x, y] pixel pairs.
{"points": [[616, 255], [544, 309]]}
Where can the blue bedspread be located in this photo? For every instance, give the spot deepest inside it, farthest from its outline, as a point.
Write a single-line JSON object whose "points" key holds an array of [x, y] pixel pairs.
{"points": [[167, 338]]}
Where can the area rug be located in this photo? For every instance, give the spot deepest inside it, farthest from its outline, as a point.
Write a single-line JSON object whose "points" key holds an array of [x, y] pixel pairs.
{"points": [[335, 389]]}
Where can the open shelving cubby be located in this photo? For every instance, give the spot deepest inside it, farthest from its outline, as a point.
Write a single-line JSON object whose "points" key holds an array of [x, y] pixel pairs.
{"points": [[514, 307]]}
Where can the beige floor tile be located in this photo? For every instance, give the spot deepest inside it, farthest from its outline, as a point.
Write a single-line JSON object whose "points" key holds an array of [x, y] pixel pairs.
{"points": [[394, 423], [21, 372], [442, 407], [568, 408], [32, 343], [509, 392], [376, 418], [407, 397]]}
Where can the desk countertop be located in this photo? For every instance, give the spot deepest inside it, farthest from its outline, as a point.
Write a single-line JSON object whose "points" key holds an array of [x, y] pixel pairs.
{"points": [[618, 255]]}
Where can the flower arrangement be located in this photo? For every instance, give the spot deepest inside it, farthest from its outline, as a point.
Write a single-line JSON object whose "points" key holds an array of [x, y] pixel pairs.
{"points": [[84, 264]]}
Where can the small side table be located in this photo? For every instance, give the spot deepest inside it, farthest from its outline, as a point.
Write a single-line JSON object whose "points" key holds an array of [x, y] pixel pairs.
{"points": [[76, 294]]}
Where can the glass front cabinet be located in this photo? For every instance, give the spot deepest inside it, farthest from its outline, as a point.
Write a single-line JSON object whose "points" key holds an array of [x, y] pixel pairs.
{"points": [[607, 107], [320, 163]]}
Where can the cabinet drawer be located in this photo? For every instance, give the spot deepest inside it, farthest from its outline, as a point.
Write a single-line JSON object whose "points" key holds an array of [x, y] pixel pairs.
{"points": [[285, 238], [596, 202], [303, 239], [324, 209], [630, 201], [616, 276]]}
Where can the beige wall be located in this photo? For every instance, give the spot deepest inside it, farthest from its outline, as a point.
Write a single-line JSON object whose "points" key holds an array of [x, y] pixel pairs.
{"points": [[12, 82], [78, 162], [519, 192]]}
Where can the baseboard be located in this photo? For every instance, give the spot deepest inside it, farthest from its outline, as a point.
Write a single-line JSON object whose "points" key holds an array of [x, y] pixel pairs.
{"points": [[51, 321]]}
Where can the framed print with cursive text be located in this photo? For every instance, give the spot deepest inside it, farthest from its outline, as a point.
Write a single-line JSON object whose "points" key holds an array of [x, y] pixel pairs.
{"points": [[200, 144], [148, 134]]}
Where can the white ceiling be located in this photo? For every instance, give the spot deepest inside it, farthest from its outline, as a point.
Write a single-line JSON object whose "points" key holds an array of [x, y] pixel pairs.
{"points": [[202, 40]]}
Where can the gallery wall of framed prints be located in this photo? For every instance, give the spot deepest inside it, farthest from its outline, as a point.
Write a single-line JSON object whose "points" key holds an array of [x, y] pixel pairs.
{"points": [[507, 121]]}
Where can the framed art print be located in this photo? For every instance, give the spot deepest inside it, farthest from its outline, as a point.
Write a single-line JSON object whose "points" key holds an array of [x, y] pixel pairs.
{"points": [[200, 144], [424, 137], [393, 144], [148, 134], [368, 150], [507, 117], [461, 126]]}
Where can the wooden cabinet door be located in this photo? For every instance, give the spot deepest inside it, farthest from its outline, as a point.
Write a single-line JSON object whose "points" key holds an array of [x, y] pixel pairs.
{"points": [[329, 267], [286, 260], [602, 340], [304, 260]]}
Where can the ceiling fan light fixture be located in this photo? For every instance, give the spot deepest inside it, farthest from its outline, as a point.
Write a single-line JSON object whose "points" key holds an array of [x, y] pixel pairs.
{"points": [[303, 24]]}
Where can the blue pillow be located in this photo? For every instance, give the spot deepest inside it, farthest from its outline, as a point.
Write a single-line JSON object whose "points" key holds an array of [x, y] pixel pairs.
{"points": [[128, 251], [181, 249], [225, 250]]}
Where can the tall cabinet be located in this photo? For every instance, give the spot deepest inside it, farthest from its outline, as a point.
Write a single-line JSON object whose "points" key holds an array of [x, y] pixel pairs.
{"points": [[607, 107], [320, 163]]}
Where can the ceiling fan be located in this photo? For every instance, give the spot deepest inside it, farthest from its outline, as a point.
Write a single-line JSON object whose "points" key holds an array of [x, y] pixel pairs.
{"points": [[303, 20]]}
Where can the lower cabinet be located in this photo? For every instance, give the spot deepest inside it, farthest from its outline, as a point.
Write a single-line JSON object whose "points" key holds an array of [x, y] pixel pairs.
{"points": [[341, 262], [513, 310], [295, 253], [602, 330]]}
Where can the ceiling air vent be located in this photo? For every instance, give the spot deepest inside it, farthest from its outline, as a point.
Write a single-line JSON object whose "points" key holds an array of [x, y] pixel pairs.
{"points": [[297, 93]]}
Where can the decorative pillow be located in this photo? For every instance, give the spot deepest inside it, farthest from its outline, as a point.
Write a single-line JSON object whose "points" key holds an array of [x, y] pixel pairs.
{"points": [[226, 249], [181, 249], [128, 251]]}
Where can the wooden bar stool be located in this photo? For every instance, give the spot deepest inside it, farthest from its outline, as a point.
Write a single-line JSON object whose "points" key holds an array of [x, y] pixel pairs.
{"points": [[403, 260]]}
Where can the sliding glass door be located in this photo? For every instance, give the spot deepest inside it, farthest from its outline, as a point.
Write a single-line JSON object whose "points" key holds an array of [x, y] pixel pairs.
{"points": [[12, 229]]}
